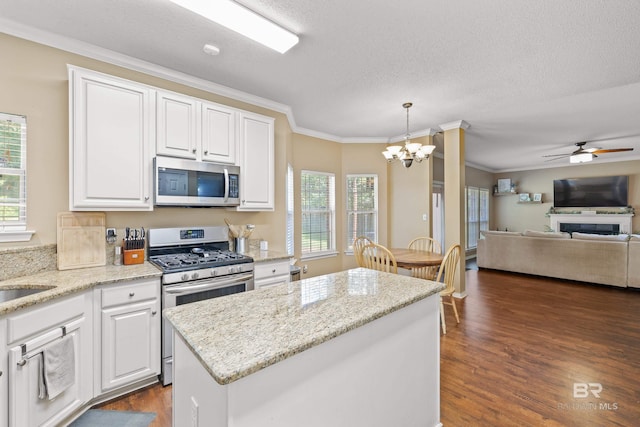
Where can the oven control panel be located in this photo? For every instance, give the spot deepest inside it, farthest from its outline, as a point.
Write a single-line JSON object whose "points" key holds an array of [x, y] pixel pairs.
{"points": [[197, 233]]}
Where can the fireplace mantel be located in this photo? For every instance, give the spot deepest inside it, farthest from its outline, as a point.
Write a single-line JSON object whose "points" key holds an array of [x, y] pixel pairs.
{"points": [[623, 220]]}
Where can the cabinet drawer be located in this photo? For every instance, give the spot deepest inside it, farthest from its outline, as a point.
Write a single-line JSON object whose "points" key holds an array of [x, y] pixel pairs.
{"points": [[45, 317], [269, 269], [130, 293]]}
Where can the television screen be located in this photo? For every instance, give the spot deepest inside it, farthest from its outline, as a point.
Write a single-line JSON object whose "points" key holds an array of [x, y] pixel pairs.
{"points": [[601, 191]]}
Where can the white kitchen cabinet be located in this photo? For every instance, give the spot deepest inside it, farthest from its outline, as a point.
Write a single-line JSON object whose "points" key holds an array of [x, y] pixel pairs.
{"points": [[176, 125], [130, 333], [257, 162], [111, 133], [218, 133], [193, 129], [271, 273], [29, 331], [4, 376]]}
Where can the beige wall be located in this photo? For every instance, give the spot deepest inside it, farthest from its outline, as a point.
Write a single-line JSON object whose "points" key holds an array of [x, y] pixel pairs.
{"points": [[507, 213], [35, 85]]}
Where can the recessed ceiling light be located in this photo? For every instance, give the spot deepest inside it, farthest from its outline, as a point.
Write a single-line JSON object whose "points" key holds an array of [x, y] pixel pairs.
{"points": [[211, 49], [244, 21]]}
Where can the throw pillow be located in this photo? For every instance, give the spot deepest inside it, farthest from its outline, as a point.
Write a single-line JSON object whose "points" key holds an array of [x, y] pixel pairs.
{"points": [[551, 234], [610, 237]]}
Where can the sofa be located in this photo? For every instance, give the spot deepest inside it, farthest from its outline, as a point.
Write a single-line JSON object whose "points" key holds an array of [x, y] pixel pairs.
{"points": [[609, 260]]}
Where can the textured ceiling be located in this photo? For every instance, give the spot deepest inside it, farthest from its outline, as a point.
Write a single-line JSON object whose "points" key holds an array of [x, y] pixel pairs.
{"points": [[530, 77]]}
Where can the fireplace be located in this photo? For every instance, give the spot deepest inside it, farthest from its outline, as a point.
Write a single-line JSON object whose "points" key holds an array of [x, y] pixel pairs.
{"points": [[591, 223], [592, 228]]}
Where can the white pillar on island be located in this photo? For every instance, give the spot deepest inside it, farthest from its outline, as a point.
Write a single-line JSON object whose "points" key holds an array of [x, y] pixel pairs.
{"points": [[365, 352]]}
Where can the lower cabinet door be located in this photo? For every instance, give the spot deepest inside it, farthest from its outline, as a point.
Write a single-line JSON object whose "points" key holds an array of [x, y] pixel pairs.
{"points": [[25, 407], [130, 343]]}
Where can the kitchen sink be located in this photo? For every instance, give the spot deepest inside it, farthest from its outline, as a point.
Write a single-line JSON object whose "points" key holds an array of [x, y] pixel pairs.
{"points": [[8, 294]]}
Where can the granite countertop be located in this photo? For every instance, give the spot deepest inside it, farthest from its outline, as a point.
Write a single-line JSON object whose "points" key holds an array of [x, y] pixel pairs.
{"points": [[65, 282], [264, 256], [240, 334]]}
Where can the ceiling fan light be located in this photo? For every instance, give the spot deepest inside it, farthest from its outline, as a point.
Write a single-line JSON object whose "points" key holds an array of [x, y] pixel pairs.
{"points": [[581, 158]]}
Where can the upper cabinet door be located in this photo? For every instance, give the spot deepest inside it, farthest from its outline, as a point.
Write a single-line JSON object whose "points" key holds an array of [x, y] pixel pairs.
{"points": [[256, 162], [218, 133], [176, 125], [111, 130]]}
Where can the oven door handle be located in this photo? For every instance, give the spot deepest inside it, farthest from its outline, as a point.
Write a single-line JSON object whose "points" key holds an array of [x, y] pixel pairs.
{"points": [[210, 284]]}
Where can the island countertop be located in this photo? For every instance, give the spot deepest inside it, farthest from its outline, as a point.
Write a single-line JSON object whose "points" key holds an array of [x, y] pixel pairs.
{"points": [[243, 333]]}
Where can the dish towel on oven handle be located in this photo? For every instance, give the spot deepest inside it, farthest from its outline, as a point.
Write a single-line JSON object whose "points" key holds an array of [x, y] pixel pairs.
{"points": [[57, 368]]}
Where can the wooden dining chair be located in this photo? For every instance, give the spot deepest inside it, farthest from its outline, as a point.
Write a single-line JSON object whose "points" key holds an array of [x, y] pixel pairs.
{"points": [[425, 244], [358, 244], [377, 257], [447, 274]]}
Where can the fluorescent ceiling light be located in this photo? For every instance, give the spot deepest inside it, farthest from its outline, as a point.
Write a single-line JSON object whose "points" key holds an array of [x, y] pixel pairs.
{"points": [[581, 158], [244, 21]]}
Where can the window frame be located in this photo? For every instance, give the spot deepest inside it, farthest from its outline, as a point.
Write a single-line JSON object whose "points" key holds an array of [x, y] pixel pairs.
{"points": [[331, 211], [16, 230], [373, 235], [481, 218]]}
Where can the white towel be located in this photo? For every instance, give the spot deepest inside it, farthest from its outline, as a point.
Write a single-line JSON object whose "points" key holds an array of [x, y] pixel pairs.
{"points": [[59, 367]]}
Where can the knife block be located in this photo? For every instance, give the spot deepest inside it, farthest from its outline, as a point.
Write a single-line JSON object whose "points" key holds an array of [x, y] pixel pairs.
{"points": [[133, 256]]}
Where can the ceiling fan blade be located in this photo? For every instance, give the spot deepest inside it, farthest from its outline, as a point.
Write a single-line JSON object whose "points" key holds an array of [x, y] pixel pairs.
{"points": [[557, 157], [611, 150]]}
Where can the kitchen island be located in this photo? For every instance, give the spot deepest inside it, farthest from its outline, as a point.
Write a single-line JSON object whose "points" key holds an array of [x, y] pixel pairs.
{"points": [[355, 348]]}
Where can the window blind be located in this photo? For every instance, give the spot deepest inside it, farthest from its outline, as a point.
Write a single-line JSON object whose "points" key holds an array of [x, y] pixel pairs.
{"points": [[13, 164]]}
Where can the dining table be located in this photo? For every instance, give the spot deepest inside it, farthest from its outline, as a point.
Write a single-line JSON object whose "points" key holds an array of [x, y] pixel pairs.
{"points": [[413, 258]]}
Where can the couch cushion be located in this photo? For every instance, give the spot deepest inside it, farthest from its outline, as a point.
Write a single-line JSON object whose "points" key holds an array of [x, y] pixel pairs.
{"points": [[551, 234], [609, 237], [634, 237]]}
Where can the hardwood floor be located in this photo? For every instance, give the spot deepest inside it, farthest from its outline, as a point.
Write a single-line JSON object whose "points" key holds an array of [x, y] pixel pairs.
{"points": [[522, 344]]}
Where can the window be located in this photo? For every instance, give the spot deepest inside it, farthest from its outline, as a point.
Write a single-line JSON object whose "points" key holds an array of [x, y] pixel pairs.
{"points": [[477, 214], [13, 173], [318, 213], [362, 208], [289, 202]]}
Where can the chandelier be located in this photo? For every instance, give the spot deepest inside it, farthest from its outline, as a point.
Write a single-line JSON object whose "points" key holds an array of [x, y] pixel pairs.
{"points": [[411, 150]]}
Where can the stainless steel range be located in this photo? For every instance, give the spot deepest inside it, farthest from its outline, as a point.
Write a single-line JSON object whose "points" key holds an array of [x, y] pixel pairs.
{"points": [[197, 264]]}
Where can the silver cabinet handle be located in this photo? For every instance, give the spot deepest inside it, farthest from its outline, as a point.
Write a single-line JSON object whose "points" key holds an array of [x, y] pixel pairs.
{"points": [[273, 271], [206, 151], [153, 313], [132, 294], [22, 362], [194, 151], [0, 373], [146, 198]]}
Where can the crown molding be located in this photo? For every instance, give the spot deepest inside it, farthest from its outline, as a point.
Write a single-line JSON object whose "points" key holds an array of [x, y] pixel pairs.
{"points": [[105, 55], [458, 124]]}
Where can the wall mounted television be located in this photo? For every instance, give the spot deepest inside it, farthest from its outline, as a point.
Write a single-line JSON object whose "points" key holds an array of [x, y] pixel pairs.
{"points": [[592, 192]]}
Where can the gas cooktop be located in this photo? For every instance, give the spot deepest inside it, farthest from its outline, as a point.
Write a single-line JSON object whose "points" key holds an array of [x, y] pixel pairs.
{"points": [[198, 258]]}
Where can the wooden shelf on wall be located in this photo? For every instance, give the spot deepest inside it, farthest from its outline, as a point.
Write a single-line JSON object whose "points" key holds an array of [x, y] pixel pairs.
{"points": [[531, 202], [505, 193]]}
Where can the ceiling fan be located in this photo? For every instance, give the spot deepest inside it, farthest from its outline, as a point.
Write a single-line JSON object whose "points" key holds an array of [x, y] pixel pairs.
{"points": [[583, 154]]}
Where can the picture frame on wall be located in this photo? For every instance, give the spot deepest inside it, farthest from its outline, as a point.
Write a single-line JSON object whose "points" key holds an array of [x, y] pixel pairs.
{"points": [[504, 185], [524, 197], [537, 197]]}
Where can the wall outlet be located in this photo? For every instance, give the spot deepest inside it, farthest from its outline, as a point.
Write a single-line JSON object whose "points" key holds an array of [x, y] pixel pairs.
{"points": [[305, 269], [424, 216]]}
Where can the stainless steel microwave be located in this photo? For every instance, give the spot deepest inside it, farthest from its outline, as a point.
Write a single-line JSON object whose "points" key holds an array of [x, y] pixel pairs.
{"points": [[181, 182]]}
